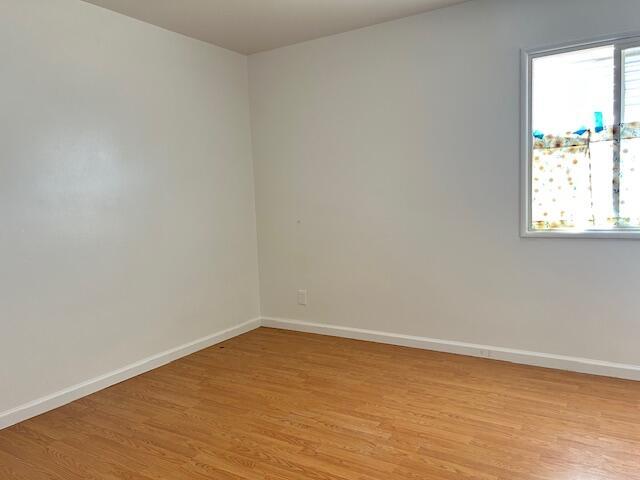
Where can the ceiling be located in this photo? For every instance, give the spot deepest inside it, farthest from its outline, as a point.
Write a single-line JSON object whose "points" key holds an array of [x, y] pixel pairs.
{"points": [[250, 26]]}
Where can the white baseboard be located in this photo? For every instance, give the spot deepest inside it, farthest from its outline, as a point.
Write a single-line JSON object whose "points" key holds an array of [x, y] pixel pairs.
{"points": [[561, 362], [68, 395], [547, 360]]}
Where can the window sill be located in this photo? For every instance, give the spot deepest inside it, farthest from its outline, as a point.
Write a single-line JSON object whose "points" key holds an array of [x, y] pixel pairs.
{"points": [[633, 234]]}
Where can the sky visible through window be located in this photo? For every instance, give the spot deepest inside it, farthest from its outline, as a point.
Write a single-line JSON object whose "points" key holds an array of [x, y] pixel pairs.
{"points": [[631, 62], [573, 91]]}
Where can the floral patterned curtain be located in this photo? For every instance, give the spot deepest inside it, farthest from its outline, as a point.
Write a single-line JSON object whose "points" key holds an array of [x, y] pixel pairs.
{"points": [[561, 181], [562, 178], [630, 176]]}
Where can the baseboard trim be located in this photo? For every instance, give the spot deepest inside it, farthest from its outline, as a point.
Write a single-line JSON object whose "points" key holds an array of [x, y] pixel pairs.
{"points": [[546, 360], [68, 395]]}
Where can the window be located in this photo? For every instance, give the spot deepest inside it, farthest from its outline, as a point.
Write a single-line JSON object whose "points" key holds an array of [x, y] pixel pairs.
{"points": [[581, 128]]}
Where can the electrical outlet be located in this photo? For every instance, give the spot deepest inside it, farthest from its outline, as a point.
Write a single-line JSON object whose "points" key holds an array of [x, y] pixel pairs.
{"points": [[302, 297]]}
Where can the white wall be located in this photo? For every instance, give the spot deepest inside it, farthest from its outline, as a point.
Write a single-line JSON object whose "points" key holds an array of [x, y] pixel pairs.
{"points": [[127, 219], [387, 178]]}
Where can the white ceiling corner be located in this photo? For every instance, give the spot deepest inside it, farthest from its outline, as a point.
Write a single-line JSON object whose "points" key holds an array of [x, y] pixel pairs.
{"points": [[251, 26]]}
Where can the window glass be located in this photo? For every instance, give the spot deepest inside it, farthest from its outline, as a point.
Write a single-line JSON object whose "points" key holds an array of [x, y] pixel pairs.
{"points": [[572, 162], [630, 139], [573, 90]]}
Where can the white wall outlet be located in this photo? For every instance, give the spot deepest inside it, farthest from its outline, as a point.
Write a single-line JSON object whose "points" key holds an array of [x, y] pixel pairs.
{"points": [[302, 297]]}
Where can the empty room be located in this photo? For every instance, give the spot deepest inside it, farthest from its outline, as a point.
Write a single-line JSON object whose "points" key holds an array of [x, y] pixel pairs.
{"points": [[320, 239]]}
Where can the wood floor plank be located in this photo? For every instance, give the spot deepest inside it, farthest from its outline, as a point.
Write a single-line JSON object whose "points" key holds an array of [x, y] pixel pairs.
{"points": [[279, 405]]}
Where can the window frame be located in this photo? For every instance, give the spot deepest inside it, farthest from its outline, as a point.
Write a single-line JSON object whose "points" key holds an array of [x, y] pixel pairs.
{"points": [[620, 42]]}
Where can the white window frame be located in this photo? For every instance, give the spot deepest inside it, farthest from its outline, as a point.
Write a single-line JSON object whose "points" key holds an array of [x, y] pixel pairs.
{"points": [[620, 42]]}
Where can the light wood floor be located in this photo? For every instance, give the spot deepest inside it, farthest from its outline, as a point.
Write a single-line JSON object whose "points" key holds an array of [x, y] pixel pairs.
{"points": [[279, 405]]}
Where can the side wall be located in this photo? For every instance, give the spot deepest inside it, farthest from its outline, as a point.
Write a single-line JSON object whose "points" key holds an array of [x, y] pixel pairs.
{"points": [[126, 194], [387, 184]]}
